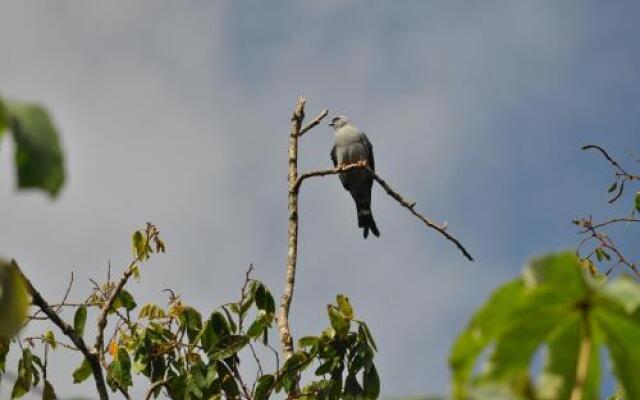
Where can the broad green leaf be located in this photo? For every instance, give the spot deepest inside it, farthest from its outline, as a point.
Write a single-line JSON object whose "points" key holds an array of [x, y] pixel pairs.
{"points": [[266, 383], [228, 346], [624, 291], [232, 323], [191, 320], [79, 320], [124, 299], [637, 202], [47, 392], [20, 388], [344, 306], [82, 372], [256, 328], [308, 341], [352, 389], [621, 335], [120, 369], [371, 383], [485, 326], [559, 375], [264, 299], [367, 333], [558, 269], [13, 300], [38, 157]]}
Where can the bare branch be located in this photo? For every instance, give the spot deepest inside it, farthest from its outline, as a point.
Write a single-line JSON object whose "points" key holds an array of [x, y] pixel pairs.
{"points": [[78, 341], [313, 123], [409, 205]]}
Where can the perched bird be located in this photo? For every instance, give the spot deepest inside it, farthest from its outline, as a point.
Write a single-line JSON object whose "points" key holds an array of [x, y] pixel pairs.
{"points": [[352, 146]]}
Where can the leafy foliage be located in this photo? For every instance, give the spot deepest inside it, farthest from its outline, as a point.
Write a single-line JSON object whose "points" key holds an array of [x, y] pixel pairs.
{"points": [[13, 300], [39, 159], [555, 305]]}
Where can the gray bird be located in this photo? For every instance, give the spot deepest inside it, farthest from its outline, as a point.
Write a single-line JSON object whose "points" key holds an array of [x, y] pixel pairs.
{"points": [[352, 145]]}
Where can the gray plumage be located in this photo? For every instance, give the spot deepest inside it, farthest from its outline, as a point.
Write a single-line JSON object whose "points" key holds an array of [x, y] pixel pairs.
{"points": [[352, 145]]}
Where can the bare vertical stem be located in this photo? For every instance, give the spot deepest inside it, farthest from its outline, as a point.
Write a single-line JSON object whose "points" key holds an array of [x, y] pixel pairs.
{"points": [[286, 339], [583, 363]]}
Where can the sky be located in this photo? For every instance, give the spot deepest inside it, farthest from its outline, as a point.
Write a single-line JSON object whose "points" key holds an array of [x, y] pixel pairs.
{"points": [[178, 113]]}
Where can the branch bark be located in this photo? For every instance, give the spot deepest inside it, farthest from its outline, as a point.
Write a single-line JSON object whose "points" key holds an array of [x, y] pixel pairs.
{"points": [[409, 205], [286, 339], [91, 356]]}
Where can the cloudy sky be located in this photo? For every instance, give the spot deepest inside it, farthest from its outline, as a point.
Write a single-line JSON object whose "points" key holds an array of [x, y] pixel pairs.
{"points": [[178, 112]]}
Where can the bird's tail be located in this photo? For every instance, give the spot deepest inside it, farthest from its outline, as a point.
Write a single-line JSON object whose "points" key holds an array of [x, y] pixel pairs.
{"points": [[366, 222]]}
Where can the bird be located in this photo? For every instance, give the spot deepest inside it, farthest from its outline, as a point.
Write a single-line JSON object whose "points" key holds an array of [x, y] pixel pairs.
{"points": [[351, 146]]}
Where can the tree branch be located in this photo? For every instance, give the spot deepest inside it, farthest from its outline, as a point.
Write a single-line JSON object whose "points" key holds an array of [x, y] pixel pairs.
{"points": [[78, 341], [409, 205], [284, 329], [313, 123]]}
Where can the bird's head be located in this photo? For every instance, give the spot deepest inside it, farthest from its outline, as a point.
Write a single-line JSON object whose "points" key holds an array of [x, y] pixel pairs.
{"points": [[338, 122]]}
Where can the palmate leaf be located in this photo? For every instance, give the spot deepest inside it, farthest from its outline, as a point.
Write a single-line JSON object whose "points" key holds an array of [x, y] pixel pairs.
{"points": [[557, 306], [39, 159]]}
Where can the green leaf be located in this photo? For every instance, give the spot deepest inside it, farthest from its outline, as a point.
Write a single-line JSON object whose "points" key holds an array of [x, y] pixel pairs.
{"points": [[124, 299], [559, 375], [344, 306], [352, 389], [338, 321], [624, 291], [47, 392], [191, 320], [256, 328], [228, 346], [38, 156], [51, 339], [79, 320], [82, 372], [613, 187], [637, 202], [120, 369], [368, 335], [266, 383], [308, 341], [371, 383], [138, 242], [151, 312], [20, 388], [13, 300], [487, 323], [264, 299], [3, 118], [232, 323], [621, 335]]}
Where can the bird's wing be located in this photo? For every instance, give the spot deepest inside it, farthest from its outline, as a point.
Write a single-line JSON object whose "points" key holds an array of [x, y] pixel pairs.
{"points": [[334, 157], [369, 148]]}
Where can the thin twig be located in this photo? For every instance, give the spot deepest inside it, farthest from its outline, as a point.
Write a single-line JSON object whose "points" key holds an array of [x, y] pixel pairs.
{"points": [[409, 205], [313, 123], [78, 341]]}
